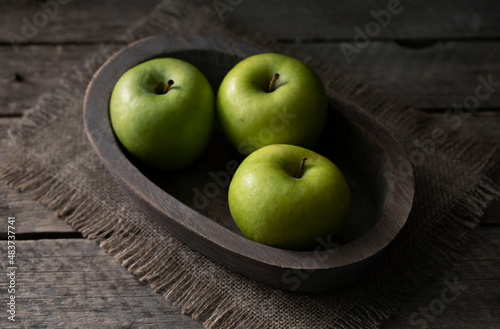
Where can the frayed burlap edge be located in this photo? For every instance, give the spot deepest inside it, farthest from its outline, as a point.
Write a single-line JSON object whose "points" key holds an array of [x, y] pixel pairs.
{"points": [[200, 299]]}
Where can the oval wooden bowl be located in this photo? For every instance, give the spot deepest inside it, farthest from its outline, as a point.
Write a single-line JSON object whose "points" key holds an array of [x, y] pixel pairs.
{"points": [[192, 203]]}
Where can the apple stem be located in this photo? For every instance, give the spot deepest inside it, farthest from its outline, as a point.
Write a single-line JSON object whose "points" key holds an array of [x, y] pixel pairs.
{"points": [[301, 168], [273, 80], [167, 87]]}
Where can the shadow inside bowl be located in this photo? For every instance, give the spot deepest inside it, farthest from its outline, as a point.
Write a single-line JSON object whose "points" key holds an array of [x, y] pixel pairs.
{"points": [[192, 203], [203, 185]]}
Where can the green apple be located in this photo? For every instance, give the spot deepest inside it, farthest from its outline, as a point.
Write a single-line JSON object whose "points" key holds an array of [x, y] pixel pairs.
{"points": [[289, 197], [271, 99], [163, 112]]}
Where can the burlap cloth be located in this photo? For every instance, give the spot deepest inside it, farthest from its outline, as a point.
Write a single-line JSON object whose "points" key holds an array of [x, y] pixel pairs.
{"points": [[49, 156]]}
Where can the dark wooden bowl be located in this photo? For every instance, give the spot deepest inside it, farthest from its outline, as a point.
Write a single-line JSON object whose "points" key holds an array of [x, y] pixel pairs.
{"points": [[366, 153]]}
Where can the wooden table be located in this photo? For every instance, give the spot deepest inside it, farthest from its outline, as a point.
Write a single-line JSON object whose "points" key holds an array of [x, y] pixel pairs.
{"points": [[429, 54]]}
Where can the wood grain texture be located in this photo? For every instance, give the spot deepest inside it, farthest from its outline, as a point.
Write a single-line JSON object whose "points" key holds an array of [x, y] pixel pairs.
{"points": [[65, 282], [72, 283], [475, 306], [76, 21], [285, 20], [31, 217], [432, 79], [333, 20], [442, 20], [46, 65], [435, 77]]}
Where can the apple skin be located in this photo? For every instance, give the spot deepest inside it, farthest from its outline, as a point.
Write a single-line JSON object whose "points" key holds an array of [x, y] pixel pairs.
{"points": [[272, 207], [252, 117], [165, 131]]}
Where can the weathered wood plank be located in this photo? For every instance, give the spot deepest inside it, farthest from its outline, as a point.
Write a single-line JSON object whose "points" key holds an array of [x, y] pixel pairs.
{"points": [[31, 216], [475, 304], [297, 19], [286, 20], [69, 21], [434, 78], [476, 307], [73, 283], [46, 65]]}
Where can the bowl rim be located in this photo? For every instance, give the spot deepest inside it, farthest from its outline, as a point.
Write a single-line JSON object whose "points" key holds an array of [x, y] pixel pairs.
{"points": [[392, 219]]}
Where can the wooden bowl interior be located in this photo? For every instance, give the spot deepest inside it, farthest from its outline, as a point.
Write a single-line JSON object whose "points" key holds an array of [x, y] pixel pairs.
{"points": [[192, 203], [203, 186]]}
